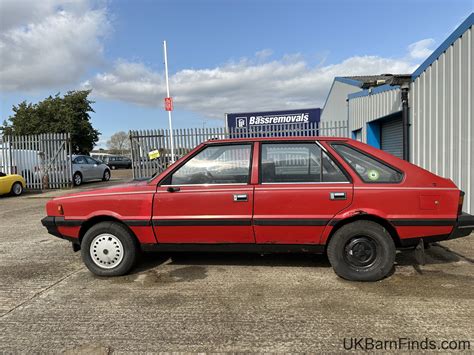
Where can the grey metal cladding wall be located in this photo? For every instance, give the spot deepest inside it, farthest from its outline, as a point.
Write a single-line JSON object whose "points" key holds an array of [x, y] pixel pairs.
{"points": [[371, 107], [335, 108], [441, 107]]}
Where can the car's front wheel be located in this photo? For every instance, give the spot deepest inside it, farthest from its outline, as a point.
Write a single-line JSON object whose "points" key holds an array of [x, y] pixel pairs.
{"points": [[17, 189], [109, 249], [362, 251]]}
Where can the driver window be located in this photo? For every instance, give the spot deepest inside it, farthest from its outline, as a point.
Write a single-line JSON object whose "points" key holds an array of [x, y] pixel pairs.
{"points": [[220, 164], [80, 160]]}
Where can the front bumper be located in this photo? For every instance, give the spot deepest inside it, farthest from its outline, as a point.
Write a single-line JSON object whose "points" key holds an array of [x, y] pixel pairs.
{"points": [[51, 224]]}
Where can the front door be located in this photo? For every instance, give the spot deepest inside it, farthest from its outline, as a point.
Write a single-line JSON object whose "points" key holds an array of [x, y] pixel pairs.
{"points": [[208, 199], [301, 189], [80, 163]]}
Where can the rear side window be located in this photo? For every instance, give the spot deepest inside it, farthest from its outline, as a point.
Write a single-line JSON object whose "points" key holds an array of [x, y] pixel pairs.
{"points": [[369, 169], [297, 163], [91, 161]]}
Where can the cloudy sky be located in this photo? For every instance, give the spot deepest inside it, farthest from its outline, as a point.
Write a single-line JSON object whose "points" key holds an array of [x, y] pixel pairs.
{"points": [[224, 55]]}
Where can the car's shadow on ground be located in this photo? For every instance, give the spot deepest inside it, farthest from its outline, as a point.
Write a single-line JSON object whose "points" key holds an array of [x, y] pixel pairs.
{"points": [[151, 260], [435, 254]]}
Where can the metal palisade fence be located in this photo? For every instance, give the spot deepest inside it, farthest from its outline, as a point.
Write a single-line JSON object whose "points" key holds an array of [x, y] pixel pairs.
{"points": [[145, 141], [44, 160]]}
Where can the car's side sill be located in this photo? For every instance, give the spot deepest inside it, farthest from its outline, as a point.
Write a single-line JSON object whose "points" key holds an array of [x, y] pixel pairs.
{"points": [[235, 248]]}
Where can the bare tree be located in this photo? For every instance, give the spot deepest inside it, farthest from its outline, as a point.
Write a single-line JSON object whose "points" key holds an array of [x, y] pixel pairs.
{"points": [[119, 143]]}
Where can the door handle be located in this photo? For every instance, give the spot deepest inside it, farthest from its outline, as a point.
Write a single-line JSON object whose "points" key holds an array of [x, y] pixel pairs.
{"points": [[240, 197], [337, 196]]}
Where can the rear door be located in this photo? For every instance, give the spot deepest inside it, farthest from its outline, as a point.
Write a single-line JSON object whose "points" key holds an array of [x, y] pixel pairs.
{"points": [[208, 199], [300, 190], [96, 171]]}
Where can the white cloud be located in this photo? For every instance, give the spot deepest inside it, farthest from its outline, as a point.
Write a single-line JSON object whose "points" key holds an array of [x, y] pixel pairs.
{"points": [[49, 43], [421, 49], [263, 54], [248, 85]]}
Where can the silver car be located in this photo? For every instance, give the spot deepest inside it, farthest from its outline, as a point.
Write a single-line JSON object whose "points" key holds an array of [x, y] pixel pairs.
{"points": [[85, 168]]}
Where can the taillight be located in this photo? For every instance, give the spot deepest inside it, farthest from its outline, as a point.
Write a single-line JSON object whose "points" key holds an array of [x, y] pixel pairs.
{"points": [[461, 201]]}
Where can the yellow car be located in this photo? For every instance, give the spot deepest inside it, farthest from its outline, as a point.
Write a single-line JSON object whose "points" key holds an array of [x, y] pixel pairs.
{"points": [[11, 184]]}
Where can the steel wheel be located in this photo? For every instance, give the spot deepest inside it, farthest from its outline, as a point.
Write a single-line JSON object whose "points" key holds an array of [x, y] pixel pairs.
{"points": [[360, 252], [106, 251]]}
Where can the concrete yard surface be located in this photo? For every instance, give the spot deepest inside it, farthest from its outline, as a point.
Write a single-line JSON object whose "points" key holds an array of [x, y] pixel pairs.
{"points": [[49, 301]]}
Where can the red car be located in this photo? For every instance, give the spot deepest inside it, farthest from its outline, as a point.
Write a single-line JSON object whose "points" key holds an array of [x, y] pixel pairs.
{"points": [[294, 194]]}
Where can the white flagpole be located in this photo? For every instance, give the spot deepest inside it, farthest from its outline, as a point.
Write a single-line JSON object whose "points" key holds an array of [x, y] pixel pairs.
{"points": [[168, 95]]}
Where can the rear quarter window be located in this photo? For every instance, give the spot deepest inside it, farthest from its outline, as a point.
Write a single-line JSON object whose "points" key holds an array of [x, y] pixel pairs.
{"points": [[369, 169]]}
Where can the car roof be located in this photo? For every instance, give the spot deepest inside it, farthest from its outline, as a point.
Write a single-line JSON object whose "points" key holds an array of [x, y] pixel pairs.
{"points": [[273, 139]]}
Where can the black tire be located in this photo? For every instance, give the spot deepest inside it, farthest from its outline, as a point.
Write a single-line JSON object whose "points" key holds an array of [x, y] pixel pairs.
{"points": [[106, 176], [77, 179], [362, 251], [108, 230], [17, 189]]}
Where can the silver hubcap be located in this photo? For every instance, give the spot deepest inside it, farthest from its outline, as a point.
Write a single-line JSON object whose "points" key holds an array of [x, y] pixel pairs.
{"points": [[107, 176], [78, 179], [106, 251], [17, 189]]}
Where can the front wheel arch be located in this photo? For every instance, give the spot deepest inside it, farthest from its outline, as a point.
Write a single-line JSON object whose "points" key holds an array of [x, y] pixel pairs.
{"points": [[88, 224], [366, 217]]}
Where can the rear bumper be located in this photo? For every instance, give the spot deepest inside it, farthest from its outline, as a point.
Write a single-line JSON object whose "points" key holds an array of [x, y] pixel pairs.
{"points": [[463, 227], [51, 224]]}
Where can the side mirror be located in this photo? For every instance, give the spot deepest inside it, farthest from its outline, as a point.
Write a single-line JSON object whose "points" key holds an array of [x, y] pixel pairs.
{"points": [[173, 189]]}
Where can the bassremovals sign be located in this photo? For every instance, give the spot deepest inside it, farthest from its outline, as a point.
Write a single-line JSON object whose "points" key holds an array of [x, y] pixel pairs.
{"points": [[269, 118]]}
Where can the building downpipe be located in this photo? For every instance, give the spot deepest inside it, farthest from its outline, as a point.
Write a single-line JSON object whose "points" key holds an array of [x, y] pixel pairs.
{"points": [[405, 121]]}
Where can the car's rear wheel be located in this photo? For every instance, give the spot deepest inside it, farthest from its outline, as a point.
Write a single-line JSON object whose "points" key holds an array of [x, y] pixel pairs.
{"points": [[17, 189], [109, 249], [362, 251], [77, 179], [106, 176]]}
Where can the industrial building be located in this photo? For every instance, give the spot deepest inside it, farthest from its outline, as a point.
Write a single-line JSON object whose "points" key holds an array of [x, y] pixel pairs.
{"points": [[425, 117]]}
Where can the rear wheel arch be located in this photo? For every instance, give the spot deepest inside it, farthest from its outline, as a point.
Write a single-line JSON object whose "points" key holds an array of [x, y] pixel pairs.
{"points": [[366, 217]]}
